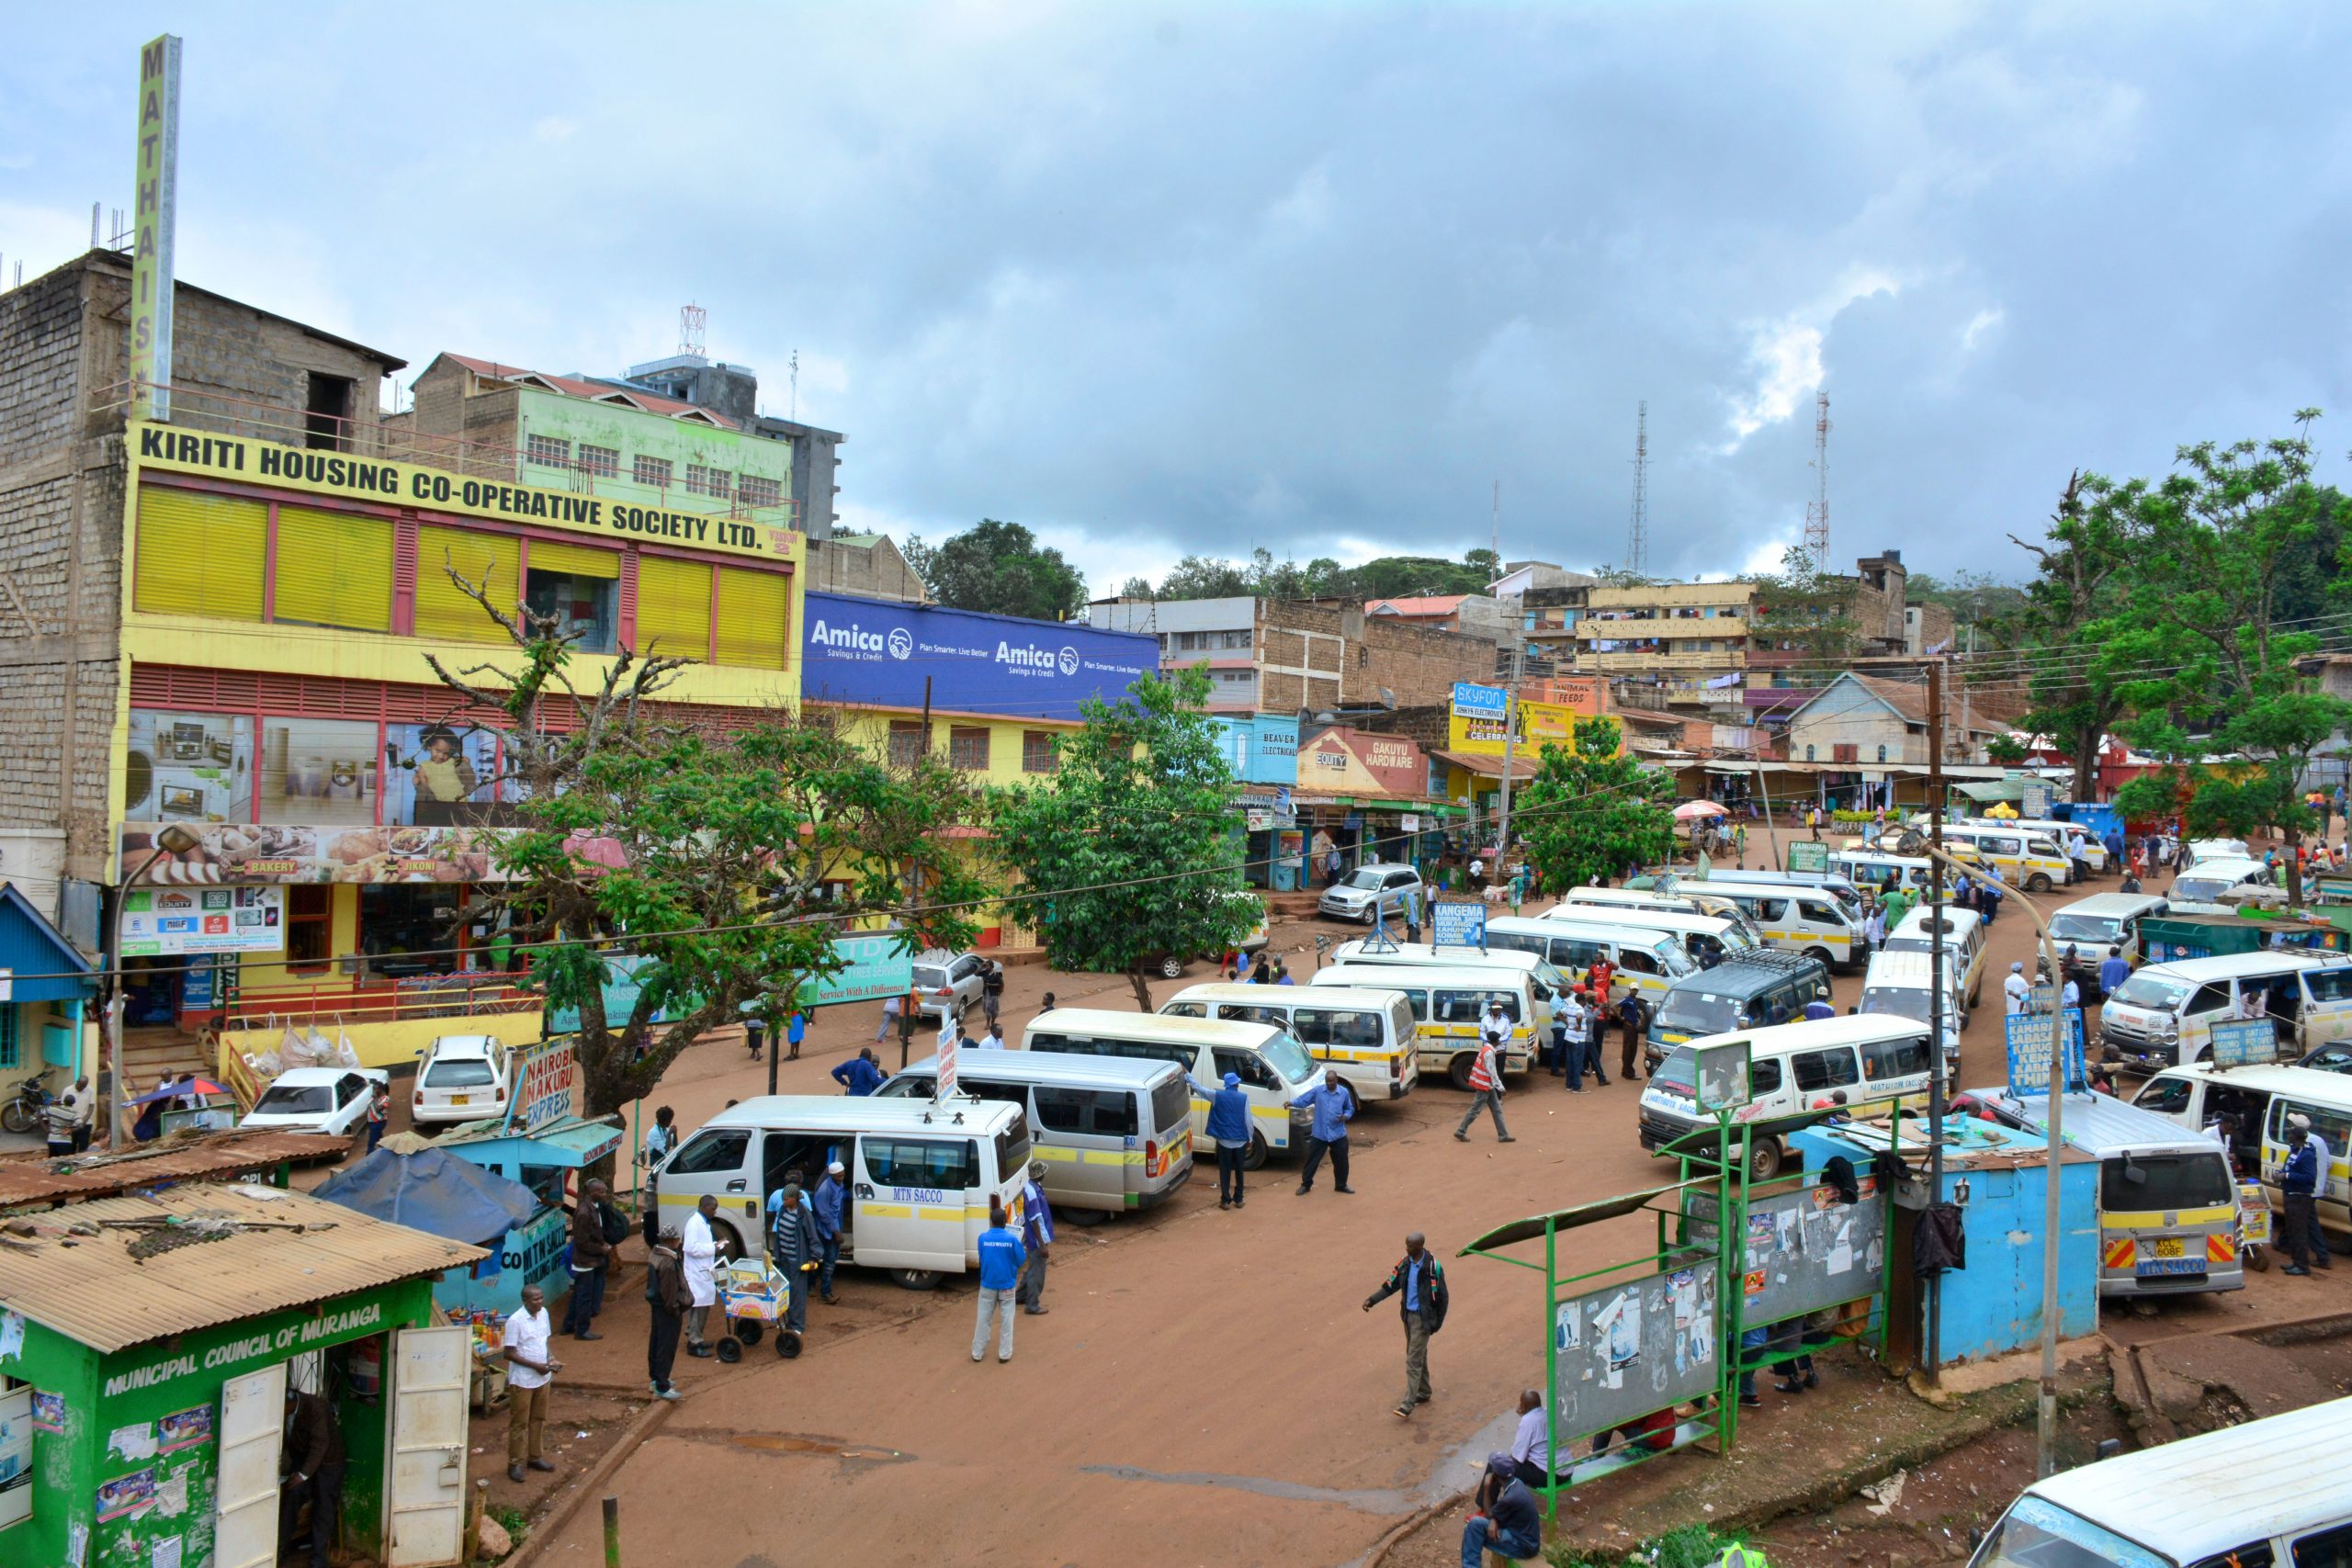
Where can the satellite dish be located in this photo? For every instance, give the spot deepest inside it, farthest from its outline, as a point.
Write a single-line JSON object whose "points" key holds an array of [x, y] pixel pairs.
{"points": [[1387, 698]]}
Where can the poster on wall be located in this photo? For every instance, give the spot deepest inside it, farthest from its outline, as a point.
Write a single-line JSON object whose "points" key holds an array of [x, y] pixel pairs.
{"points": [[16, 1456], [124, 1495], [168, 922], [189, 767], [185, 1429], [439, 775], [239, 853]]}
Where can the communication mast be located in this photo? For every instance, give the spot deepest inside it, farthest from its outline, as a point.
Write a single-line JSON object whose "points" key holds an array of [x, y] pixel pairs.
{"points": [[1637, 536], [690, 325], [1816, 511]]}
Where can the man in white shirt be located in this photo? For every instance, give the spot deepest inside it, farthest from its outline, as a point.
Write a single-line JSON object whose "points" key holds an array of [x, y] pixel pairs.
{"points": [[1531, 1446], [2015, 990], [698, 1256], [993, 1040], [528, 1367], [1569, 1015]]}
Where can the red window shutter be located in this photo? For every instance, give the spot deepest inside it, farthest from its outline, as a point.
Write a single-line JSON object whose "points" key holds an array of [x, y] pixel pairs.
{"points": [[1846, 752]]}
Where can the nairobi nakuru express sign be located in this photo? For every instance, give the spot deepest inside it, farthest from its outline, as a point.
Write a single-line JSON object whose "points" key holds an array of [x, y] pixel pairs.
{"points": [[388, 483]]}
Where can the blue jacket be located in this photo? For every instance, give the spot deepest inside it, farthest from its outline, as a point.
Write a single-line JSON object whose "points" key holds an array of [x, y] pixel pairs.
{"points": [[1332, 1109], [827, 1203], [1229, 1111], [858, 1075], [1037, 1217], [1002, 1256], [2113, 971], [2301, 1173]]}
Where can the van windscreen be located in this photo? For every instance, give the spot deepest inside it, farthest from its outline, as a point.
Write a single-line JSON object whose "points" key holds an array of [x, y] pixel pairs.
{"points": [[2158, 993], [2067, 927], [1691, 1010], [2131, 1182]]}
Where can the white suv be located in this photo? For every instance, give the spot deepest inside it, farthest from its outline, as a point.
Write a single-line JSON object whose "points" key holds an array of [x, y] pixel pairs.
{"points": [[463, 1077], [1373, 887]]}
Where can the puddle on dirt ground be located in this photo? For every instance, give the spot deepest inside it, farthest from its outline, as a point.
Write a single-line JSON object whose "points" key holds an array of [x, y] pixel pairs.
{"points": [[786, 1443]]}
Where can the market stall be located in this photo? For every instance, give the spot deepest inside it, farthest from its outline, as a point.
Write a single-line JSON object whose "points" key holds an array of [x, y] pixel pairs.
{"points": [[146, 1346]]}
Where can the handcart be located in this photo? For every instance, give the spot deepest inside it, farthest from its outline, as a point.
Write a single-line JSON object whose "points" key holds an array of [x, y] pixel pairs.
{"points": [[753, 1297]]}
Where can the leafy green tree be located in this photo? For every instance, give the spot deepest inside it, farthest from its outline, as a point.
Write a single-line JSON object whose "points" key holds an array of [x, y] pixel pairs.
{"points": [[2086, 580], [1811, 611], [1593, 811], [723, 861], [1384, 577], [2201, 639], [1130, 843], [1001, 569], [1200, 577]]}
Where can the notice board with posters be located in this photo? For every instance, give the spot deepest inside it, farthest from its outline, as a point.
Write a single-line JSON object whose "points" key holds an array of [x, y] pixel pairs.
{"points": [[1625, 1351], [1804, 1251]]}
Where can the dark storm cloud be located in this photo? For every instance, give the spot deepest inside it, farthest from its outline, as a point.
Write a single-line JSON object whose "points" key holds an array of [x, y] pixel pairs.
{"points": [[1310, 279]]}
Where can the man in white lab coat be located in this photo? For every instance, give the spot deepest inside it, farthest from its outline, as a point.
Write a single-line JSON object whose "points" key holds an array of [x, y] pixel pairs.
{"points": [[699, 1255]]}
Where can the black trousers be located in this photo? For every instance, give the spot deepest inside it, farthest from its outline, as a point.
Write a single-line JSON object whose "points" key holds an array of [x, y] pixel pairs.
{"points": [[325, 1492], [2297, 1226], [1315, 1147], [1229, 1172], [661, 1345]]}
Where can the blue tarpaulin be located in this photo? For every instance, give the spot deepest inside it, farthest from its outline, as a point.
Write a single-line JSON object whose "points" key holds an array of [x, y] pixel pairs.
{"points": [[435, 1191]]}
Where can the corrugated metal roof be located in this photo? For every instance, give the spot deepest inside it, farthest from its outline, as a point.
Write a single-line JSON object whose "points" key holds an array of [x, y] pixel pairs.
{"points": [[89, 1287], [36, 1179], [47, 967]]}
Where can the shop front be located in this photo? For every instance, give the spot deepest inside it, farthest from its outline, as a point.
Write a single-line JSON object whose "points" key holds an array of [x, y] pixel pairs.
{"points": [[1263, 751], [144, 1374], [1373, 792], [46, 987]]}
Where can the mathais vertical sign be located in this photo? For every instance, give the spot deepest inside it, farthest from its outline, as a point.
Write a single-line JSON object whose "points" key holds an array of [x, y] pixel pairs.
{"points": [[154, 210]]}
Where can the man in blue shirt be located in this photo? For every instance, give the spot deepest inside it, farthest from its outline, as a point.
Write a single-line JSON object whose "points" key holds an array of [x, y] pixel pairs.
{"points": [[827, 1206], [793, 1249], [859, 1075], [1332, 1106], [794, 1032], [1228, 1129], [1504, 1517], [1002, 1256], [1037, 1239], [2298, 1178], [2113, 970]]}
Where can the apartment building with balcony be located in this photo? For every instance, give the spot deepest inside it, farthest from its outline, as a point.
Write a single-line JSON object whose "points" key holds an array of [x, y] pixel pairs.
{"points": [[1278, 656], [220, 623]]}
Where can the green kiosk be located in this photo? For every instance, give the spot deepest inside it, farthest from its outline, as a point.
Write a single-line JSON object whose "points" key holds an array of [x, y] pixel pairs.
{"points": [[146, 1346]]}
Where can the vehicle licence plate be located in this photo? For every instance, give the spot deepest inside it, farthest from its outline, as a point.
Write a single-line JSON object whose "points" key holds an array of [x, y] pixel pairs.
{"points": [[462, 1099], [2165, 1247]]}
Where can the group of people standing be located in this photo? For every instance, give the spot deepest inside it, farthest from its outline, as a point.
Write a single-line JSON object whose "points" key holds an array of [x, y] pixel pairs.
{"points": [[1581, 1018]]}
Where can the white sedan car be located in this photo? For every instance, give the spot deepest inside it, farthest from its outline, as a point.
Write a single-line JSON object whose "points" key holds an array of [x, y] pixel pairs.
{"points": [[333, 1100]]}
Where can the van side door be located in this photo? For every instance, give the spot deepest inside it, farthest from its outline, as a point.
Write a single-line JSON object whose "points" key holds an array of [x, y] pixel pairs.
{"points": [[2327, 1006], [1822, 1075]]}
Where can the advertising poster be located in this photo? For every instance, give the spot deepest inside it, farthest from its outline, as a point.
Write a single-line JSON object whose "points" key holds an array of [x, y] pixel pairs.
{"points": [[864, 651], [185, 1429], [173, 921], [439, 775], [127, 1493], [243, 853], [16, 1456]]}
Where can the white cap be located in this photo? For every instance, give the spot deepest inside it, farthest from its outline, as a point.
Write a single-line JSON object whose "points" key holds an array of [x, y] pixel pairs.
{"points": [[836, 1167]]}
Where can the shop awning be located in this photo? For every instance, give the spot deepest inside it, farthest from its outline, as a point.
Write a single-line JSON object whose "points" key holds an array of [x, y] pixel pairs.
{"points": [[569, 1143], [1487, 767]]}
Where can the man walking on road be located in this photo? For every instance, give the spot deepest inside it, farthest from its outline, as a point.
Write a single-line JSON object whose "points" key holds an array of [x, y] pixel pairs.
{"points": [[1002, 1256], [827, 1206], [1229, 1130], [698, 1256], [1421, 1282], [528, 1367], [1037, 1239], [1332, 1106], [992, 991], [665, 1293], [591, 1254], [1487, 1076]]}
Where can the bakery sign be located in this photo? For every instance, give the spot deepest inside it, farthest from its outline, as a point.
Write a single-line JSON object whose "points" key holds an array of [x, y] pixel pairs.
{"points": [[228, 853]]}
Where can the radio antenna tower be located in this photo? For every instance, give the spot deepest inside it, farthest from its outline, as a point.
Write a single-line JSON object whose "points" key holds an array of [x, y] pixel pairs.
{"points": [[1816, 511], [1637, 536], [690, 325]]}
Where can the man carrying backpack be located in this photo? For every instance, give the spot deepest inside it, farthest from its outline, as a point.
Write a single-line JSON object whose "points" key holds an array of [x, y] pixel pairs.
{"points": [[665, 1293], [1420, 1282]]}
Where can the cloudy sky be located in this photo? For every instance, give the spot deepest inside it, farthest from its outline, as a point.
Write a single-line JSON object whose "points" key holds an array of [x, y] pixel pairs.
{"points": [[1195, 279]]}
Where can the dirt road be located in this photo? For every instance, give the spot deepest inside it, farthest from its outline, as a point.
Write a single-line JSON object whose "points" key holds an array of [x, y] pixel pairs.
{"points": [[1205, 1389]]}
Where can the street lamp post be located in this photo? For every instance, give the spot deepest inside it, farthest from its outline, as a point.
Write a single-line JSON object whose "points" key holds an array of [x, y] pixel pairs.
{"points": [[173, 841]]}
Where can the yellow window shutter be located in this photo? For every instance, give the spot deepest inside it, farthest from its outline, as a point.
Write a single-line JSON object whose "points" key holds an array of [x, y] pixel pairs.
{"points": [[579, 561], [334, 568], [673, 606], [753, 607], [199, 555], [444, 615]]}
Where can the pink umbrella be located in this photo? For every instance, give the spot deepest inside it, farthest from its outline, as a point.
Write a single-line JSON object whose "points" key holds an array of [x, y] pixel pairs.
{"points": [[1694, 810]]}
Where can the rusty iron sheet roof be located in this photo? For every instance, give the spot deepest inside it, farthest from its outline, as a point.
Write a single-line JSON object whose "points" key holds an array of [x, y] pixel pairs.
{"points": [[78, 1276], [34, 1179]]}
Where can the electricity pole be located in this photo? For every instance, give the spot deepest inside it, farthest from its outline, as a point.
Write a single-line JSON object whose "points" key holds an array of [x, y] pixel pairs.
{"points": [[1935, 1001]]}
